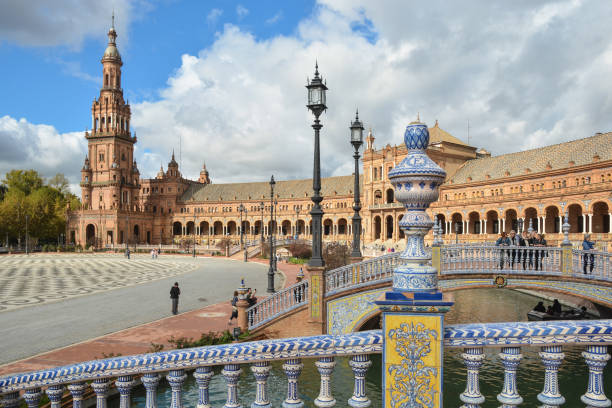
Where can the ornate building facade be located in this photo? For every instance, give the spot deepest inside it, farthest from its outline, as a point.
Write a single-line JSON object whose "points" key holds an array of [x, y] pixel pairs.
{"points": [[482, 195]]}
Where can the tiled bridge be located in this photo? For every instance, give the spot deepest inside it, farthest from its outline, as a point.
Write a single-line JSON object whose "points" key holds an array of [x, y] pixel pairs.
{"points": [[345, 296]]}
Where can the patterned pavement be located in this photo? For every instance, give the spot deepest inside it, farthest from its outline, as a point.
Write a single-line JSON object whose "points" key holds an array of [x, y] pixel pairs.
{"points": [[40, 278]]}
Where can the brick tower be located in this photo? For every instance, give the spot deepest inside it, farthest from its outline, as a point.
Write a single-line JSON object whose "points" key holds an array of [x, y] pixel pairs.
{"points": [[110, 178]]}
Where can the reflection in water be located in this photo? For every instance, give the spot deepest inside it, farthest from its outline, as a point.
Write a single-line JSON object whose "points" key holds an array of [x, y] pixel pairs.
{"points": [[474, 305]]}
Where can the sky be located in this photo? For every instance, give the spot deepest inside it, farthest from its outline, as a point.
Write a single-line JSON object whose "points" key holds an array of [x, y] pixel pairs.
{"points": [[222, 82]]}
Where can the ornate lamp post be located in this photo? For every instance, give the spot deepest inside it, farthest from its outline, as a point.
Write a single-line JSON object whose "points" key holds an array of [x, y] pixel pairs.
{"points": [[275, 207], [316, 104], [194, 236], [356, 140], [272, 252], [261, 228], [297, 223], [241, 209]]}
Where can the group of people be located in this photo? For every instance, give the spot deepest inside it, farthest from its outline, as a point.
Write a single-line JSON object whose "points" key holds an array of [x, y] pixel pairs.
{"points": [[155, 253], [250, 297], [522, 256], [555, 309]]}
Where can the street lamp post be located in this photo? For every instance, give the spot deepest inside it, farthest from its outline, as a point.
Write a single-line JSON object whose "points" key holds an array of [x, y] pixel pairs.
{"points": [[275, 208], [261, 227], [297, 223], [356, 140], [316, 104], [243, 209], [26, 237], [271, 269], [457, 232]]}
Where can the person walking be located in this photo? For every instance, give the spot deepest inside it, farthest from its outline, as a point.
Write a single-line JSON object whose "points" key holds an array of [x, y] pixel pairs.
{"points": [[502, 241], [174, 295], [233, 302], [127, 253], [588, 259]]}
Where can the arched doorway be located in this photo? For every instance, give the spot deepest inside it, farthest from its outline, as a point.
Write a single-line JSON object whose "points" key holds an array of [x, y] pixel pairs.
{"points": [[551, 225], [136, 237], [511, 222], [377, 227], [389, 196], [177, 228], [457, 221], [204, 228], [90, 234], [231, 228], [492, 222], [258, 227], [531, 218], [389, 226], [342, 226], [218, 228], [190, 227], [327, 227], [601, 219], [474, 223], [285, 227], [575, 218], [300, 227]]}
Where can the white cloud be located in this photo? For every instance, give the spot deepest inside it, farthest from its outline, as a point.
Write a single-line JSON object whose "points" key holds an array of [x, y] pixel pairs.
{"points": [[42, 148], [62, 22], [275, 18], [241, 11], [213, 16]]}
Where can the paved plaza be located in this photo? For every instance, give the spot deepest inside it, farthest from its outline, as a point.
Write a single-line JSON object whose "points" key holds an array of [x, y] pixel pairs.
{"points": [[52, 301]]}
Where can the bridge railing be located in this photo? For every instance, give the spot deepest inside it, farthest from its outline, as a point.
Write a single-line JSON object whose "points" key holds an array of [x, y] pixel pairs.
{"points": [[592, 264], [508, 259], [595, 335], [361, 273], [277, 304]]}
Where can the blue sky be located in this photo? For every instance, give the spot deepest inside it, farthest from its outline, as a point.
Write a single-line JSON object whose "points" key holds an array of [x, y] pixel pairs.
{"points": [[227, 78]]}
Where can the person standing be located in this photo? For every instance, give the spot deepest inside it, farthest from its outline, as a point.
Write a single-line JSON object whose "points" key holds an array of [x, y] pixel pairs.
{"points": [[234, 302], [174, 295], [539, 241], [526, 252], [588, 259], [515, 241], [502, 241]]}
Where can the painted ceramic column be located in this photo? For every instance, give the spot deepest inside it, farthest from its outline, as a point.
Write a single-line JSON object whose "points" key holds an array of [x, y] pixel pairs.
{"points": [[55, 392], [77, 390], [325, 365], [596, 358], [261, 371], [101, 387], [293, 369], [413, 311], [566, 248], [472, 358], [551, 356], [176, 378], [150, 382], [360, 364], [511, 357], [124, 385], [231, 372], [32, 397], [202, 376], [10, 400]]}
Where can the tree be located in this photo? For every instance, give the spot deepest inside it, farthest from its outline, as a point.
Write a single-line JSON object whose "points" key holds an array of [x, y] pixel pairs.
{"points": [[60, 183], [23, 180], [335, 255]]}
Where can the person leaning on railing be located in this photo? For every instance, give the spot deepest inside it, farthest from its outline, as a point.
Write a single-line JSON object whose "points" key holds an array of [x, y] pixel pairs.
{"points": [[503, 240], [539, 241], [516, 241], [588, 245]]}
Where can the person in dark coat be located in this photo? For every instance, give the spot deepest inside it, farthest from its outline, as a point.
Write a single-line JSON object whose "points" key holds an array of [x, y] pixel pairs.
{"points": [[588, 258], [502, 241], [539, 241], [515, 241], [556, 307], [174, 295], [234, 302], [540, 307]]}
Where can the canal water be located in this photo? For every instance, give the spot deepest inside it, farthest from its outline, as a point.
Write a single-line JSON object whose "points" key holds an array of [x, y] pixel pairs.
{"points": [[471, 306]]}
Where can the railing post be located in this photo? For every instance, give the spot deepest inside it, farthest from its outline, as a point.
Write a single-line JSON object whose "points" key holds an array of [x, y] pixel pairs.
{"points": [[231, 372], [32, 397], [325, 365], [202, 376], [566, 249], [359, 364], [293, 369], [176, 378], [55, 393], [472, 358], [413, 312], [511, 357], [10, 400], [150, 382], [242, 305], [101, 387], [551, 356], [77, 390], [261, 370], [596, 358]]}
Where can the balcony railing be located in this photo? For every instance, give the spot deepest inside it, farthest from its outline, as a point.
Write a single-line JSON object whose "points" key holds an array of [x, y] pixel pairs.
{"points": [[277, 304], [594, 335]]}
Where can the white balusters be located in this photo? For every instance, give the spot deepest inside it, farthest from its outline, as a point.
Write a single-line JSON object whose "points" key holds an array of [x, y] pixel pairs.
{"points": [[101, 387], [551, 356], [124, 385], [359, 364], [231, 372], [32, 397], [261, 371], [10, 400], [54, 393], [176, 378], [325, 365], [202, 376], [150, 382], [511, 357], [596, 358], [472, 358], [293, 369], [77, 390]]}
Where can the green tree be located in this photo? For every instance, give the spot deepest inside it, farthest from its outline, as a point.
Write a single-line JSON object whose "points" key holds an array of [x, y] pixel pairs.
{"points": [[23, 180]]}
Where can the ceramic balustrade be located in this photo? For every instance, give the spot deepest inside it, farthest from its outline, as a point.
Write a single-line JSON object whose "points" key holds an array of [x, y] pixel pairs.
{"points": [[468, 259], [474, 339], [361, 273], [592, 264], [277, 304]]}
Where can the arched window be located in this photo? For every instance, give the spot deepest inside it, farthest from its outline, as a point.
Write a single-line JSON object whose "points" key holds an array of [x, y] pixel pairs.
{"points": [[106, 80]]}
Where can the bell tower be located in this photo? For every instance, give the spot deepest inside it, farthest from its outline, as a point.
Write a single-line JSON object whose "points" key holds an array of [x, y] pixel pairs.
{"points": [[114, 177]]}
